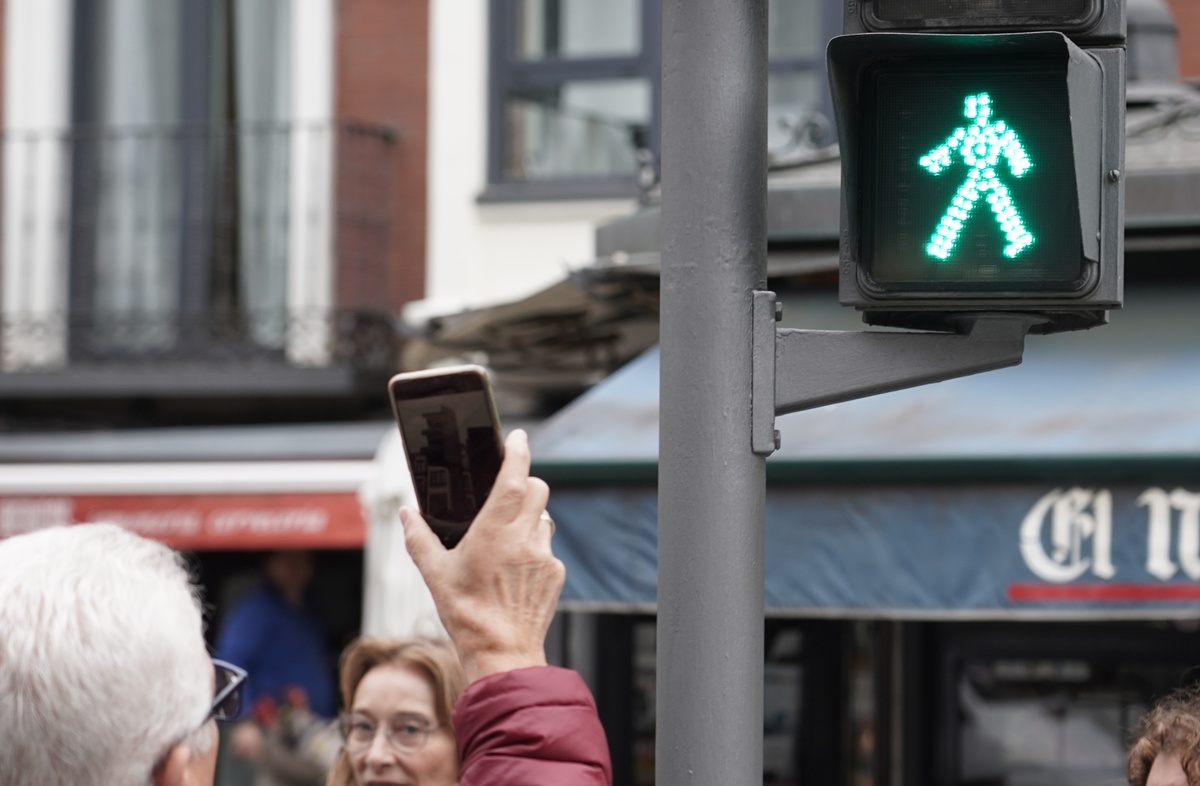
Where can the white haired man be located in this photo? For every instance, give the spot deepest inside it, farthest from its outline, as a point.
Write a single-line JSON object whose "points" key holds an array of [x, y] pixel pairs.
{"points": [[105, 679]]}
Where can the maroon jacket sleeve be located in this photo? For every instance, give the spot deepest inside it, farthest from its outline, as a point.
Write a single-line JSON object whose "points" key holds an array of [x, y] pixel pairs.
{"points": [[530, 727]]}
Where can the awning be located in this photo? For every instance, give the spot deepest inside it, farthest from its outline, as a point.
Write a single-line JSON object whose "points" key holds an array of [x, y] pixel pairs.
{"points": [[1068, 486]]}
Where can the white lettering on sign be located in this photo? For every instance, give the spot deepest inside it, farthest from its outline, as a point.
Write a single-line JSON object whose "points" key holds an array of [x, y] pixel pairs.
{"points": [[153, 523], [1078, 518], [1159, 536], [258, 521], [19, 515]]}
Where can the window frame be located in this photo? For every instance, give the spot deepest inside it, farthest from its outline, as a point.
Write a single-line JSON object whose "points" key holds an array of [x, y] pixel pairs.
{"points": [[507, 71], [192, 40], [831, 18], [307, 248]]}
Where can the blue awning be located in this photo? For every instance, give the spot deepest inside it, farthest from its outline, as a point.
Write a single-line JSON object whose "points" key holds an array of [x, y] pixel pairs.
{"points": [[1062, 487]]}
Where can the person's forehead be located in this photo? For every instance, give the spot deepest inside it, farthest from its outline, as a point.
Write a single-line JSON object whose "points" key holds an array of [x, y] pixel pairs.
{"points": [[395, 688], [1167, 771]]}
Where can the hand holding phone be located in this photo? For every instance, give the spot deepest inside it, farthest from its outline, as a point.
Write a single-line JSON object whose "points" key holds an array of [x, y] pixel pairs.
{"points": [[497, 592], [451, 434]]}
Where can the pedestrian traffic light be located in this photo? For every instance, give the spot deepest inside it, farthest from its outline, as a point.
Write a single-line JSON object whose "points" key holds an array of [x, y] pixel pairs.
{"points": [[981, 171]]}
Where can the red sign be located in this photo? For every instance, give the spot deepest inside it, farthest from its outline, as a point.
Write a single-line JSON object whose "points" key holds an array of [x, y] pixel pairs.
{"points": [[203, 522], [1101, 593]]}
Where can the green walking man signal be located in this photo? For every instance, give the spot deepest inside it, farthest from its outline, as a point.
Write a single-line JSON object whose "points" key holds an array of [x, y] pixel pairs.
{"points": [[982, 172], [980, 146]]}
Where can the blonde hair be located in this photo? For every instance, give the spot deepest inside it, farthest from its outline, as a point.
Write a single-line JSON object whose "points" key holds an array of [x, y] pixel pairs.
{"points": [[1171, 727], [435, 658]]}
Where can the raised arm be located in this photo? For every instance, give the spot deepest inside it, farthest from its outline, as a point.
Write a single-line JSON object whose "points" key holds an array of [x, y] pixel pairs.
{"points": [[940, 158], [519, 721]]}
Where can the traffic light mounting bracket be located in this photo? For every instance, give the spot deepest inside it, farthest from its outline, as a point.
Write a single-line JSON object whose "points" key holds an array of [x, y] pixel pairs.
{"points": [[793, 370]]}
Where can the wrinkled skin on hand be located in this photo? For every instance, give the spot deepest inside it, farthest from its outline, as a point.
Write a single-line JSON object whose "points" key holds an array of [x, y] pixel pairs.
{"points": [[496, 592]]}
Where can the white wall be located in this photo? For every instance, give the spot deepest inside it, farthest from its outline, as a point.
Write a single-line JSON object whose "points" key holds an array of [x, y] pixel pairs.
{"points": [[310, 241], [485, 254], [37, 36]]}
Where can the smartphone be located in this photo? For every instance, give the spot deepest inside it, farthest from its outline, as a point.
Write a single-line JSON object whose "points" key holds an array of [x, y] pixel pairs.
{"points": [[451, 434]]}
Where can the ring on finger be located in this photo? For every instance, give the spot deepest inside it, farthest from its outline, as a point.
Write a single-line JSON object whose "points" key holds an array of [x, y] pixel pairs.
{"points": [[546, 518]]}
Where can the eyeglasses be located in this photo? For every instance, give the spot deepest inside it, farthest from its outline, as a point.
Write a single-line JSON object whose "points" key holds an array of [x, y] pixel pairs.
{"points": [[227, 691], [228, 685], [405, 733]]}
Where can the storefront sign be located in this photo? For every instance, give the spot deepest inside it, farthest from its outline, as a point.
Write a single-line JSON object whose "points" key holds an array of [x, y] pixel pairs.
{"points": [[1068, 535], [1120, 550], [202, 522]]}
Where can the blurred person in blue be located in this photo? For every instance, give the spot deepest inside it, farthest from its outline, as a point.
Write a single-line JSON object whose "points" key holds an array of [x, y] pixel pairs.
{"points": [[275, 634], [105, 679]]}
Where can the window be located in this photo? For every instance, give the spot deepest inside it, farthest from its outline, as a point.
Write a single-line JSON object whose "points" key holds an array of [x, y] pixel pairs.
{"points": [[810, 669], [182, 110], [1041, 704], [1044, 721], [575, 95], [167, 151]]}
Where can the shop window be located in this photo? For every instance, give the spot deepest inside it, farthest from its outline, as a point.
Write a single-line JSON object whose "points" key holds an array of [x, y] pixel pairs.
{"points": [[783, 674], [862, 709], [1044, 721], [810, 733], [1026, 705], [575, 99]]}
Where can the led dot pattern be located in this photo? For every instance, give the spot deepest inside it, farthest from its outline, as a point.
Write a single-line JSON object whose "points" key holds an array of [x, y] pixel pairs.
{"points": [[968, 180], [980, 146]]}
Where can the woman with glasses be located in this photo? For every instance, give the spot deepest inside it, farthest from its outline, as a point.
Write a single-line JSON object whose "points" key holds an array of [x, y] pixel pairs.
{"points": [[520, 721], [399, 696]]}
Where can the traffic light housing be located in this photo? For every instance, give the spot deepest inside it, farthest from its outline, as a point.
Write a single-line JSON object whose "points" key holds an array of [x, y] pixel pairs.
{"points": [[981, 171]]}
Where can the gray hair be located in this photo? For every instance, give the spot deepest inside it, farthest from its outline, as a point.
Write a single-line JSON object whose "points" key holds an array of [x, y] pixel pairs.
{"points": [[103, 666]]}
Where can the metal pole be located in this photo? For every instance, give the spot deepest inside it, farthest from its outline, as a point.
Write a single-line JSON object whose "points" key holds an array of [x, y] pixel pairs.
{"points": [[712, 487]]}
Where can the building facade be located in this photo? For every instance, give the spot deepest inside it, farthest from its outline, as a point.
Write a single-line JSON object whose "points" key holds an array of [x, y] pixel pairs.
{"points": [[215, 213]]}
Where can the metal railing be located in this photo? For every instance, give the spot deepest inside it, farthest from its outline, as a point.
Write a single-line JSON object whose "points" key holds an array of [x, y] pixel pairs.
{"points": [[255, 241]]}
